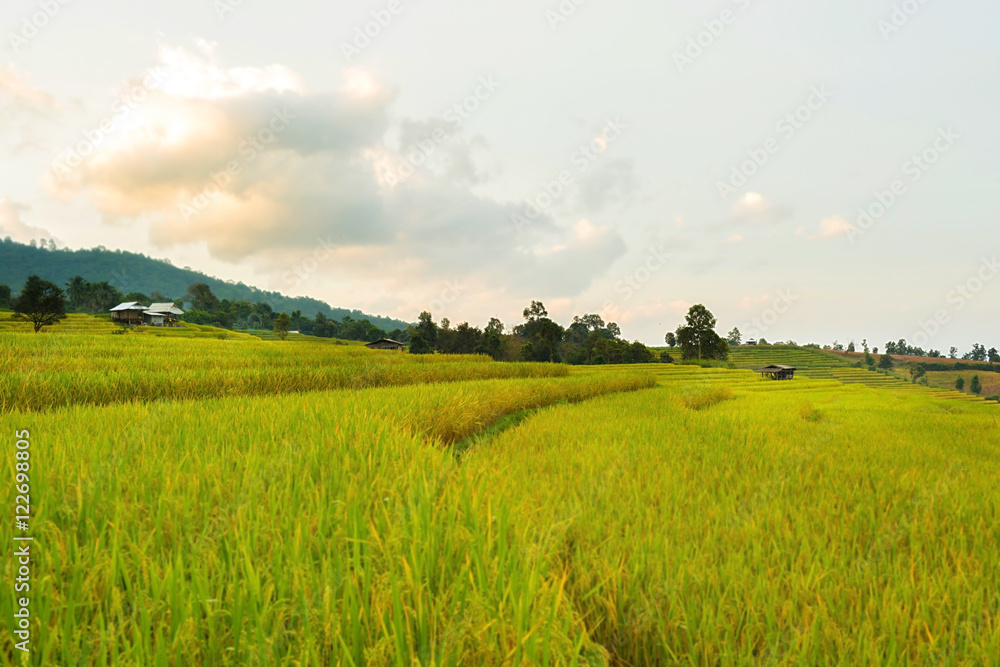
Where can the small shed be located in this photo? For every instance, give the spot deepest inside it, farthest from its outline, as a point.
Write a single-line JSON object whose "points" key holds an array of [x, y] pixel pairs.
{"points": [[385, 344], [151, 319], [160, 314], [751, 342], [129, 312], [778, 372]]}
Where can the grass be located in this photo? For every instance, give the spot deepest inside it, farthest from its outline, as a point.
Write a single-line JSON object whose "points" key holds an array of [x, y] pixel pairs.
{"points": [[947, 379], [247, 502], [43, 372], [278, 530]]}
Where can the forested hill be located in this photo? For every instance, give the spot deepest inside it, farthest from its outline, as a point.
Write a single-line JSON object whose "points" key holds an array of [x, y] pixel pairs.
{"points": [[131, 272]]}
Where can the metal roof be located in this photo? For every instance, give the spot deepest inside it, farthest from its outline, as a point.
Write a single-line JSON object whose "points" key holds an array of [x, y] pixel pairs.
{"points": [[777, 367], [166, 309], [128, 305]]}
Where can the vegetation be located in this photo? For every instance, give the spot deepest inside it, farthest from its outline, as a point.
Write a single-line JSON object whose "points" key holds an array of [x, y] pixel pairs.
{"points": [[698, 340], [282, 324], [588, 340], [132, 273], [45, 372], [41, 303], [495, 520]]}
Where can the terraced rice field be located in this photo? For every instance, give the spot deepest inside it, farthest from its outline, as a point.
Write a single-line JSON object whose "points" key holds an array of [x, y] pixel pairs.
{"points": [[817, 364], [445, 512]]}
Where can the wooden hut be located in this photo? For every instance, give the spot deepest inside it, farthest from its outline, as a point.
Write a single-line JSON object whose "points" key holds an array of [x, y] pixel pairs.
{"points": [[778, 372], [385, 344], [162, 314], [130, 312]]}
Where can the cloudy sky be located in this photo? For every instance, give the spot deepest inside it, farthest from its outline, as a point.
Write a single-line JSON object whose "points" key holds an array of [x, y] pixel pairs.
{"points": [[812, 171]]}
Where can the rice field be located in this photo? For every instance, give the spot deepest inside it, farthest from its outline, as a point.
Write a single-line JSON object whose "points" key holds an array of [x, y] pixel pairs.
{"points": [[302, 504], [43, 371]]}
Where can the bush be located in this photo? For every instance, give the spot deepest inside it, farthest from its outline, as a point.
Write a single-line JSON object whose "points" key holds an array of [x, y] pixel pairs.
{"points": [[700, 399]]}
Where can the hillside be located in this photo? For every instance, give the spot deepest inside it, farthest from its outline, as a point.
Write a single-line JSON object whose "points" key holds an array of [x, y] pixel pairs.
{"points": [[132, 272]]}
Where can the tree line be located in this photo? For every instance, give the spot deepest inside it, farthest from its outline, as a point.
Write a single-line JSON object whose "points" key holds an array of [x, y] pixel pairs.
{"points": [[44, 303]]}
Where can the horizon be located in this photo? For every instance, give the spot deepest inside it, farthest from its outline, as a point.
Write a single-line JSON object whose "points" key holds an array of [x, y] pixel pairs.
{"points": [[798, 170]]}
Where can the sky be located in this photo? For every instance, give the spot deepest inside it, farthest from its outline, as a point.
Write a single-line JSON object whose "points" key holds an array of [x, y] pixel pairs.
{"points": [[814, 172]]}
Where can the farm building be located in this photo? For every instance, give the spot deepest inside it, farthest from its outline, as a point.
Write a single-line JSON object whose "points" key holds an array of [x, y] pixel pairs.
{"points": [[129, 312], [385, 344], [778, 372], [162, 314]]}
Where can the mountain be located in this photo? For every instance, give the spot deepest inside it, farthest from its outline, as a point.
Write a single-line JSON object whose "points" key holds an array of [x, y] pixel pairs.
{"points": [[132, 272]]}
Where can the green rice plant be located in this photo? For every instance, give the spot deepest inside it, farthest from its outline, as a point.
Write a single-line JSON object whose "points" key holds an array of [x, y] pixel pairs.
{"points": [[45, 372], [295, 529], [738, 535]]}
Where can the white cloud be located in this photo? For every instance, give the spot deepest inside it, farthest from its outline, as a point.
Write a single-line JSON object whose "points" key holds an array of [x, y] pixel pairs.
{"points": [[833, 227], [320, 177], [13, 226]]}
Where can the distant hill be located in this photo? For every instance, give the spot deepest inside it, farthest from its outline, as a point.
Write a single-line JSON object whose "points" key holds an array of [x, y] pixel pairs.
{"points": [[132, 272]]}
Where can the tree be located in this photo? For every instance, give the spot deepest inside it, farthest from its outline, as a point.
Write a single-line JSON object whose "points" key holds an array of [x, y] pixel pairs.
{"points": [[42, 303], [734, 337], [975, 386], [953, 353], [698, 339], [282, 323], [850, 347], [5, 296], [200, 296], [138, 297], [671, 339], [869, 360], [960, 383], [535, 311], [917, 371], [427, 330], [886, 363], [994, 356], [978, 353], [419, 345]]}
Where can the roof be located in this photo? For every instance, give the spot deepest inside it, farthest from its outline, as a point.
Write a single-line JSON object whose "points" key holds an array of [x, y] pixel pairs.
{"points": [[128, 305], [384, 340], [166, 309], [777, 367]]}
